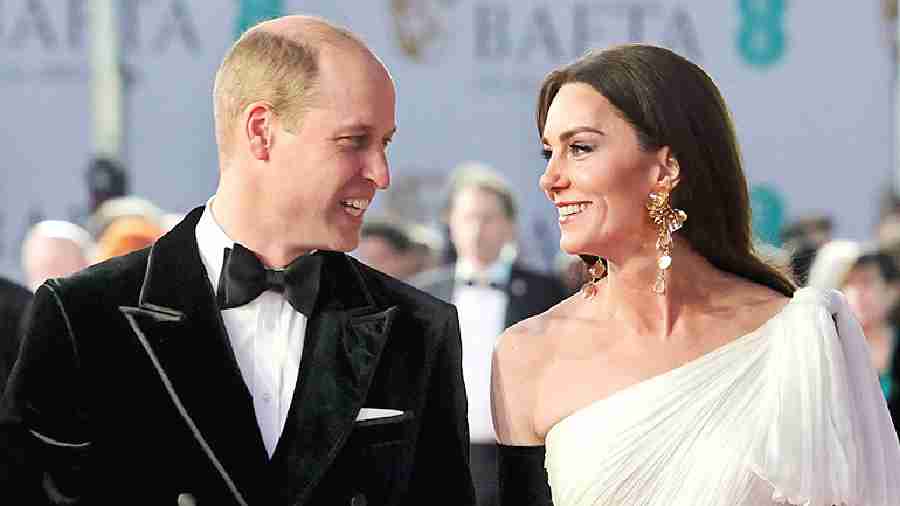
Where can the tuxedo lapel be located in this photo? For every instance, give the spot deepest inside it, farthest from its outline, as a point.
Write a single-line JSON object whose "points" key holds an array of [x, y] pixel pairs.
{"points": [[345, 337], [519, 305], [179, 326]]}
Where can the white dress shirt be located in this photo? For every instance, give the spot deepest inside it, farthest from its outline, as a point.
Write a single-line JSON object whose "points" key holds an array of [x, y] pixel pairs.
{"points": [[266, 336], [482, 318]]}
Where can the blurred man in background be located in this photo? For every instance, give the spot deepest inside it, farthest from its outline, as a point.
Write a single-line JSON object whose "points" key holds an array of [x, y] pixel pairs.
{"points": [[128, 206], [14, 301], [491, 292], [55, 248], [393, 249], [125, 235]]}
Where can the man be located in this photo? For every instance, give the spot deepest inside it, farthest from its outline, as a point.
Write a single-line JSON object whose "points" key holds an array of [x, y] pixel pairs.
{"points": [[53, 249], [491, 292], [244, 359], [394, 249]]}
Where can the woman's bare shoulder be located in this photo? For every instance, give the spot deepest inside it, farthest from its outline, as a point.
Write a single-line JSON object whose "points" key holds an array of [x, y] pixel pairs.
{"points": [[530, 338], [521, 355]]}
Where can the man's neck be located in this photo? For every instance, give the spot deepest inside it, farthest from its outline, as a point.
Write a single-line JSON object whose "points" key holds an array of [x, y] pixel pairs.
{"points": [[242, 225]]}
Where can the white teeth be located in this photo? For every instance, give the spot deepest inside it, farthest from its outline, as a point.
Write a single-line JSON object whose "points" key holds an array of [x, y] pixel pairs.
{"points": [[355, 207], [570, 209]]}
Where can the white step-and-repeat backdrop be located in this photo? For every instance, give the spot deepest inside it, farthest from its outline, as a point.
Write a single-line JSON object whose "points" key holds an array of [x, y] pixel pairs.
{"points": [[809, 83]]}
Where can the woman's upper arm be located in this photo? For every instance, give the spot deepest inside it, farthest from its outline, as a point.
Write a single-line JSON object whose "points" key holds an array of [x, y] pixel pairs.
{"points": [[513, 377]]}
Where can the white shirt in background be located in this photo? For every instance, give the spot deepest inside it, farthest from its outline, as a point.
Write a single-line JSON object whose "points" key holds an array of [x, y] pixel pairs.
{"points": [[482, 318]]}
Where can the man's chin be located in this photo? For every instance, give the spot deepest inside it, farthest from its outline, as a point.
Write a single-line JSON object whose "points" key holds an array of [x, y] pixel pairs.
{"points": [[344, 244]]}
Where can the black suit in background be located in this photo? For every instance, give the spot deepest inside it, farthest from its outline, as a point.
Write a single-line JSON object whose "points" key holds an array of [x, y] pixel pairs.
{"points": [[129, 386], [528, 293], [14, 301]]}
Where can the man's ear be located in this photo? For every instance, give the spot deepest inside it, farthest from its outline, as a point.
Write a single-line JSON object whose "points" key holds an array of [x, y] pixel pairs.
{"points": [[669, 174], [258, 127]]}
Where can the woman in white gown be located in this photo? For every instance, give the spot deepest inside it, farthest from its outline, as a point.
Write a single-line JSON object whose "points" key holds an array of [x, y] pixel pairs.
{"points": [[688, 371]]}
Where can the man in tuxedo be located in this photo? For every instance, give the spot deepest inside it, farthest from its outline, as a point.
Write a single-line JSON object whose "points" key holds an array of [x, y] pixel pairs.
{"points": [[491, 292], [244, 358]]}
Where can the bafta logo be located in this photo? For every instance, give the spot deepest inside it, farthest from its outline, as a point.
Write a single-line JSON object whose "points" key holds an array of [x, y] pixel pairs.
{"points": [[419, 26]]}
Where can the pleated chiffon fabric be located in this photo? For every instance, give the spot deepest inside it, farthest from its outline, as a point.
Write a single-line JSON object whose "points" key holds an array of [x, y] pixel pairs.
{"points": [[791, 413]]}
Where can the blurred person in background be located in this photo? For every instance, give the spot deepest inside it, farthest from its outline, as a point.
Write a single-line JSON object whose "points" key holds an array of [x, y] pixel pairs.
{"points": [[14, 300], [129, 206], [866, 277], [245, 359], [53, 249], [888, 231], [491, 292], [14, 304], [801, 239], [124, 235], [106, 180], [389, 247], [169, 220]]}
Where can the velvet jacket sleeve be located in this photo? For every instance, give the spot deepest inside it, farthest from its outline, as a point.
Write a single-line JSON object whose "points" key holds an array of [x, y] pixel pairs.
{"points": [[441, 472], [42, 416]]}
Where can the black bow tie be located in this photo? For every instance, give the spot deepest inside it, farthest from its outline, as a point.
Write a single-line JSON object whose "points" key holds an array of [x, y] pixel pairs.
{"points": [[244, 277], [482, 283]]}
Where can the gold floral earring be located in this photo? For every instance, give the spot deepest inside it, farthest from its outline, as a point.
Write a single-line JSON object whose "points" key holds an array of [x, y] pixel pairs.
{"points": [[596, 272], [667, 220]]}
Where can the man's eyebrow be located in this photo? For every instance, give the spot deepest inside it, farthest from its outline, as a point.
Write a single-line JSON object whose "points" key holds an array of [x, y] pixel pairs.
{"points": [[363, 127], [569, 133]]}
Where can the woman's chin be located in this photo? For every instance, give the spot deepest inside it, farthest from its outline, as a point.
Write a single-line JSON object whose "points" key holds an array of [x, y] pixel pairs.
{"points": [[571, 246]]}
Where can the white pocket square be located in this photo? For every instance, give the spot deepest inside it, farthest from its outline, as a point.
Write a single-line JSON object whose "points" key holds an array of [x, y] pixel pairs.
{"points": [[375, 413]]}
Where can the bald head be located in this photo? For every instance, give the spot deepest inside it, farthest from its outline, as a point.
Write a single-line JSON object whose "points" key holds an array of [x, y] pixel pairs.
{"points": [[277, 62], [53, 249]]}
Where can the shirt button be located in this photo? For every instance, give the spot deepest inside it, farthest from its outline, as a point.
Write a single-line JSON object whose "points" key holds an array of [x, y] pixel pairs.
{"points": [[267, 397]]}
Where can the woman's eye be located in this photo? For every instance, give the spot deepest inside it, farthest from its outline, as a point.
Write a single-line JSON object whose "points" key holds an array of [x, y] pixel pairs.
{"points": [[579, 149], [546, 154]]}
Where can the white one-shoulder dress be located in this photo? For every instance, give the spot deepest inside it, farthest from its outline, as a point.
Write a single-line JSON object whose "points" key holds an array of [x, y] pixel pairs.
{"points": [[791, 413]]}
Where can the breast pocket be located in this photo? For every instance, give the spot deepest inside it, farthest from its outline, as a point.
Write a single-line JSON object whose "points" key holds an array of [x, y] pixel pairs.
{"points": [[381, 453]]}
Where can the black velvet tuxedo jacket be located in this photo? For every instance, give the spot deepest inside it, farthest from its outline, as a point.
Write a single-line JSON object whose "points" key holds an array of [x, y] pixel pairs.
{"points": [[127, 392], [528, 292]]}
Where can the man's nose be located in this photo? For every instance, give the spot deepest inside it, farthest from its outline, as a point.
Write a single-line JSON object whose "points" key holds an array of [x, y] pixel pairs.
{"points": [[377, 170]]}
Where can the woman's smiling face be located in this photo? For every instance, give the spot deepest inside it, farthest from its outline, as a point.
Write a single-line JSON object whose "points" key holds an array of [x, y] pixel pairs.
{"points": [[597, 175]]}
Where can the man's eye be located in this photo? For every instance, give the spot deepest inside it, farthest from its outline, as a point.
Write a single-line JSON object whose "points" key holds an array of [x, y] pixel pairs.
{"points": [[354, 141]]}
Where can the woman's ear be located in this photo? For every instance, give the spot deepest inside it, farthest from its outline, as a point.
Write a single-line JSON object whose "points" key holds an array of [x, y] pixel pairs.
{"points": [[669, 174]]}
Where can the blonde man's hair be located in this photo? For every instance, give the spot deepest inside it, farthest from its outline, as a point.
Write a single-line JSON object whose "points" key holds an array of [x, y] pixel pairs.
{"points": [[274, 68]]}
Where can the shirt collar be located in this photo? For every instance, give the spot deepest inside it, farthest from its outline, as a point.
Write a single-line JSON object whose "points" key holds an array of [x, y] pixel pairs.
{"points": [[212, 242], [497, 272]]}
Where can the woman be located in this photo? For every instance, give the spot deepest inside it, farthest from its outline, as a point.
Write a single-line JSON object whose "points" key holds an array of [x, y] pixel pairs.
{"points": [[688, 372]]}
